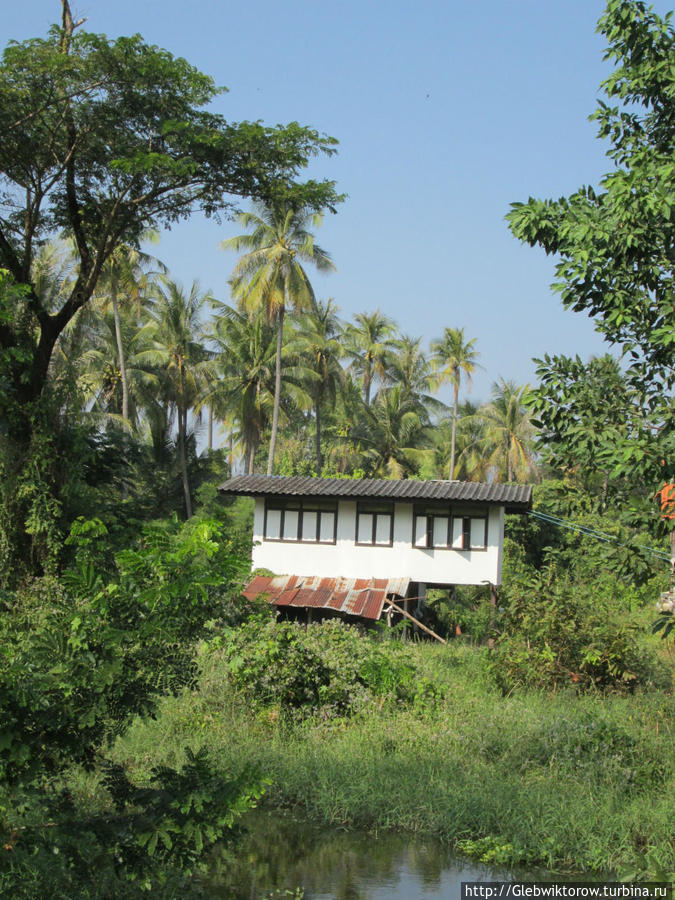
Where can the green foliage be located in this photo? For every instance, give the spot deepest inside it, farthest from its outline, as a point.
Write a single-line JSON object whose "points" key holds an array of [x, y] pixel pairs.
{"points": [[327, 669], [13, 314], [269, 277], [664, 624], [571, 782], [468, 607], [105, 138], [83, 657], [149, 838], [555, 632], [41, 482], [586, 743], [615, 251]]}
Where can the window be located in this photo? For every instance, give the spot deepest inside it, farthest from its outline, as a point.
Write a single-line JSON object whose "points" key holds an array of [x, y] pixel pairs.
{"points": [[469, 533], [439, 528], [432, 526], [375, 524], [306, 521]]}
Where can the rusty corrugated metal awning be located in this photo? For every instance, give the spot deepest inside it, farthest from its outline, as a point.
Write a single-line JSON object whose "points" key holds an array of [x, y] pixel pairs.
{"points": [[363, 597], [515, 497]]}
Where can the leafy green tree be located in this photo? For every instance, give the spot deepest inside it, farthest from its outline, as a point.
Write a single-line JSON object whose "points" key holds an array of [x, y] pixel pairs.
{"points": [[615, 242], [370, 342], [341, 429], [175, 345], [125, 277], [394, 436], [81, 659], [412, 370], [507, 433], [453, 356], [583, 410], [270, 276], [471, 463], [241, 377], [106, 138], [110, 339], [317, 342], [103, 139]]}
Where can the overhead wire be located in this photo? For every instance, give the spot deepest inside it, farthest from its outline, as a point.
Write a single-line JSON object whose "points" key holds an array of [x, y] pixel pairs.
{"points": [[592, 532]]}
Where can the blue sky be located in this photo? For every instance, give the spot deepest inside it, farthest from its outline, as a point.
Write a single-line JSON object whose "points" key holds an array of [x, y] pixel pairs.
{"points": [[446, 112]]}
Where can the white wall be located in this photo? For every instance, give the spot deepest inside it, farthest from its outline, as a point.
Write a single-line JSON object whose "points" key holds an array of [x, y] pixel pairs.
{"points": [[402, 560]]}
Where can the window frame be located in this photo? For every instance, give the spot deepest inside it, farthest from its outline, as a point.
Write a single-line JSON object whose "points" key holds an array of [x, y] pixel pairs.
{"points": [[374, 508], [431, 512], [300, 506]]}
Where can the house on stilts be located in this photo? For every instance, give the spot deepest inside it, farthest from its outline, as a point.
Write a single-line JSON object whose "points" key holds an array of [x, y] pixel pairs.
{"points": [[349, 547]]}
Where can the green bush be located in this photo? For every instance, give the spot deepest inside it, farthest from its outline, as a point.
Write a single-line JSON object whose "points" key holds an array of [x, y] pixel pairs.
{"points": [[553, 632], [79, 659], [328, 668]]}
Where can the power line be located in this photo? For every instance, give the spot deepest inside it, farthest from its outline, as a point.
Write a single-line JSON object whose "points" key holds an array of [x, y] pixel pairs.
{"points": [[592, 532]]}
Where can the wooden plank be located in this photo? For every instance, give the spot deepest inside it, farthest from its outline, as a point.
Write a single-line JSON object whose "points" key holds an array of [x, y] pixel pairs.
{"points": [[416, 621]]}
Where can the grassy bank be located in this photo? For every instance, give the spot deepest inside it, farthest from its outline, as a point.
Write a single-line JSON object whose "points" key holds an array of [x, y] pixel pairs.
{"points": [[564, 781]]}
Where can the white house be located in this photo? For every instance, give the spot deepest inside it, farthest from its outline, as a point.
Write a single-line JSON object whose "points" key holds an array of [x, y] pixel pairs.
{"points": [[326, 534]]}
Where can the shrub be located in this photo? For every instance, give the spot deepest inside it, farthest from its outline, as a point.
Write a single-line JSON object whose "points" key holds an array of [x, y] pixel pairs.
{"points": [[329, 668], [553, 632], [79, 659]]}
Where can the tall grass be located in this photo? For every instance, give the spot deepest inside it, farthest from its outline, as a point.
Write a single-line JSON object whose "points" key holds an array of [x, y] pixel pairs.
{"points": [[571, 783]]}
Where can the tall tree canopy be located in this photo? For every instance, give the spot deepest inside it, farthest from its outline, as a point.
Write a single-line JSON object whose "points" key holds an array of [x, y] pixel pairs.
{"points": [[616, 244], [370, 341], [452, 358], [104, 138], [270, 277]]}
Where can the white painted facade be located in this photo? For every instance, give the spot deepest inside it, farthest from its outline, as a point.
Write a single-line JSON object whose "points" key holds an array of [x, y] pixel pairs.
{"points": [[345, 558]]}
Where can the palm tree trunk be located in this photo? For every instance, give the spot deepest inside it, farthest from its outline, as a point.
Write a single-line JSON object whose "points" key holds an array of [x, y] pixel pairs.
{"points": [[182, 430], [319, 460], [454, 432], [277, 392], [367, 381], [120, 353], [210, 429]]}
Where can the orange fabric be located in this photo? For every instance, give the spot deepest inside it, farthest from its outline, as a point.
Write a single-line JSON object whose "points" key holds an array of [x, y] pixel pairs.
{"points": [[666, 498]]}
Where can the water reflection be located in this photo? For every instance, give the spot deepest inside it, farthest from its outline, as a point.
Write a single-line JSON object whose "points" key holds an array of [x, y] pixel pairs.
{"points": [[280, 852]]}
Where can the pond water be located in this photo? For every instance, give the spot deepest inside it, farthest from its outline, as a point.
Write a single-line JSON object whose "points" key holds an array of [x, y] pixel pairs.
{"points": [[281, 853]]}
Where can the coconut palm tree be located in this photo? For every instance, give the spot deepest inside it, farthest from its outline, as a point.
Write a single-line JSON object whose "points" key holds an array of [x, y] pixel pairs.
{"points": [[316, 342], [176, 346], [125, 278], [452, 358], [412, 370], [370, 341], [111, 338], [508, 433], [241, 377], [394, 435], [471, 463], [270, 275]]}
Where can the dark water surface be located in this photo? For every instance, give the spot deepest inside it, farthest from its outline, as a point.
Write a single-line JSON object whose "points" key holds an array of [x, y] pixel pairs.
{"points": [[281, 852]]}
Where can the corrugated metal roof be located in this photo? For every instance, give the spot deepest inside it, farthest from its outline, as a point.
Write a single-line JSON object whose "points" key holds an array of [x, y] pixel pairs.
{"points": [[363, 597], [515, 497]]}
